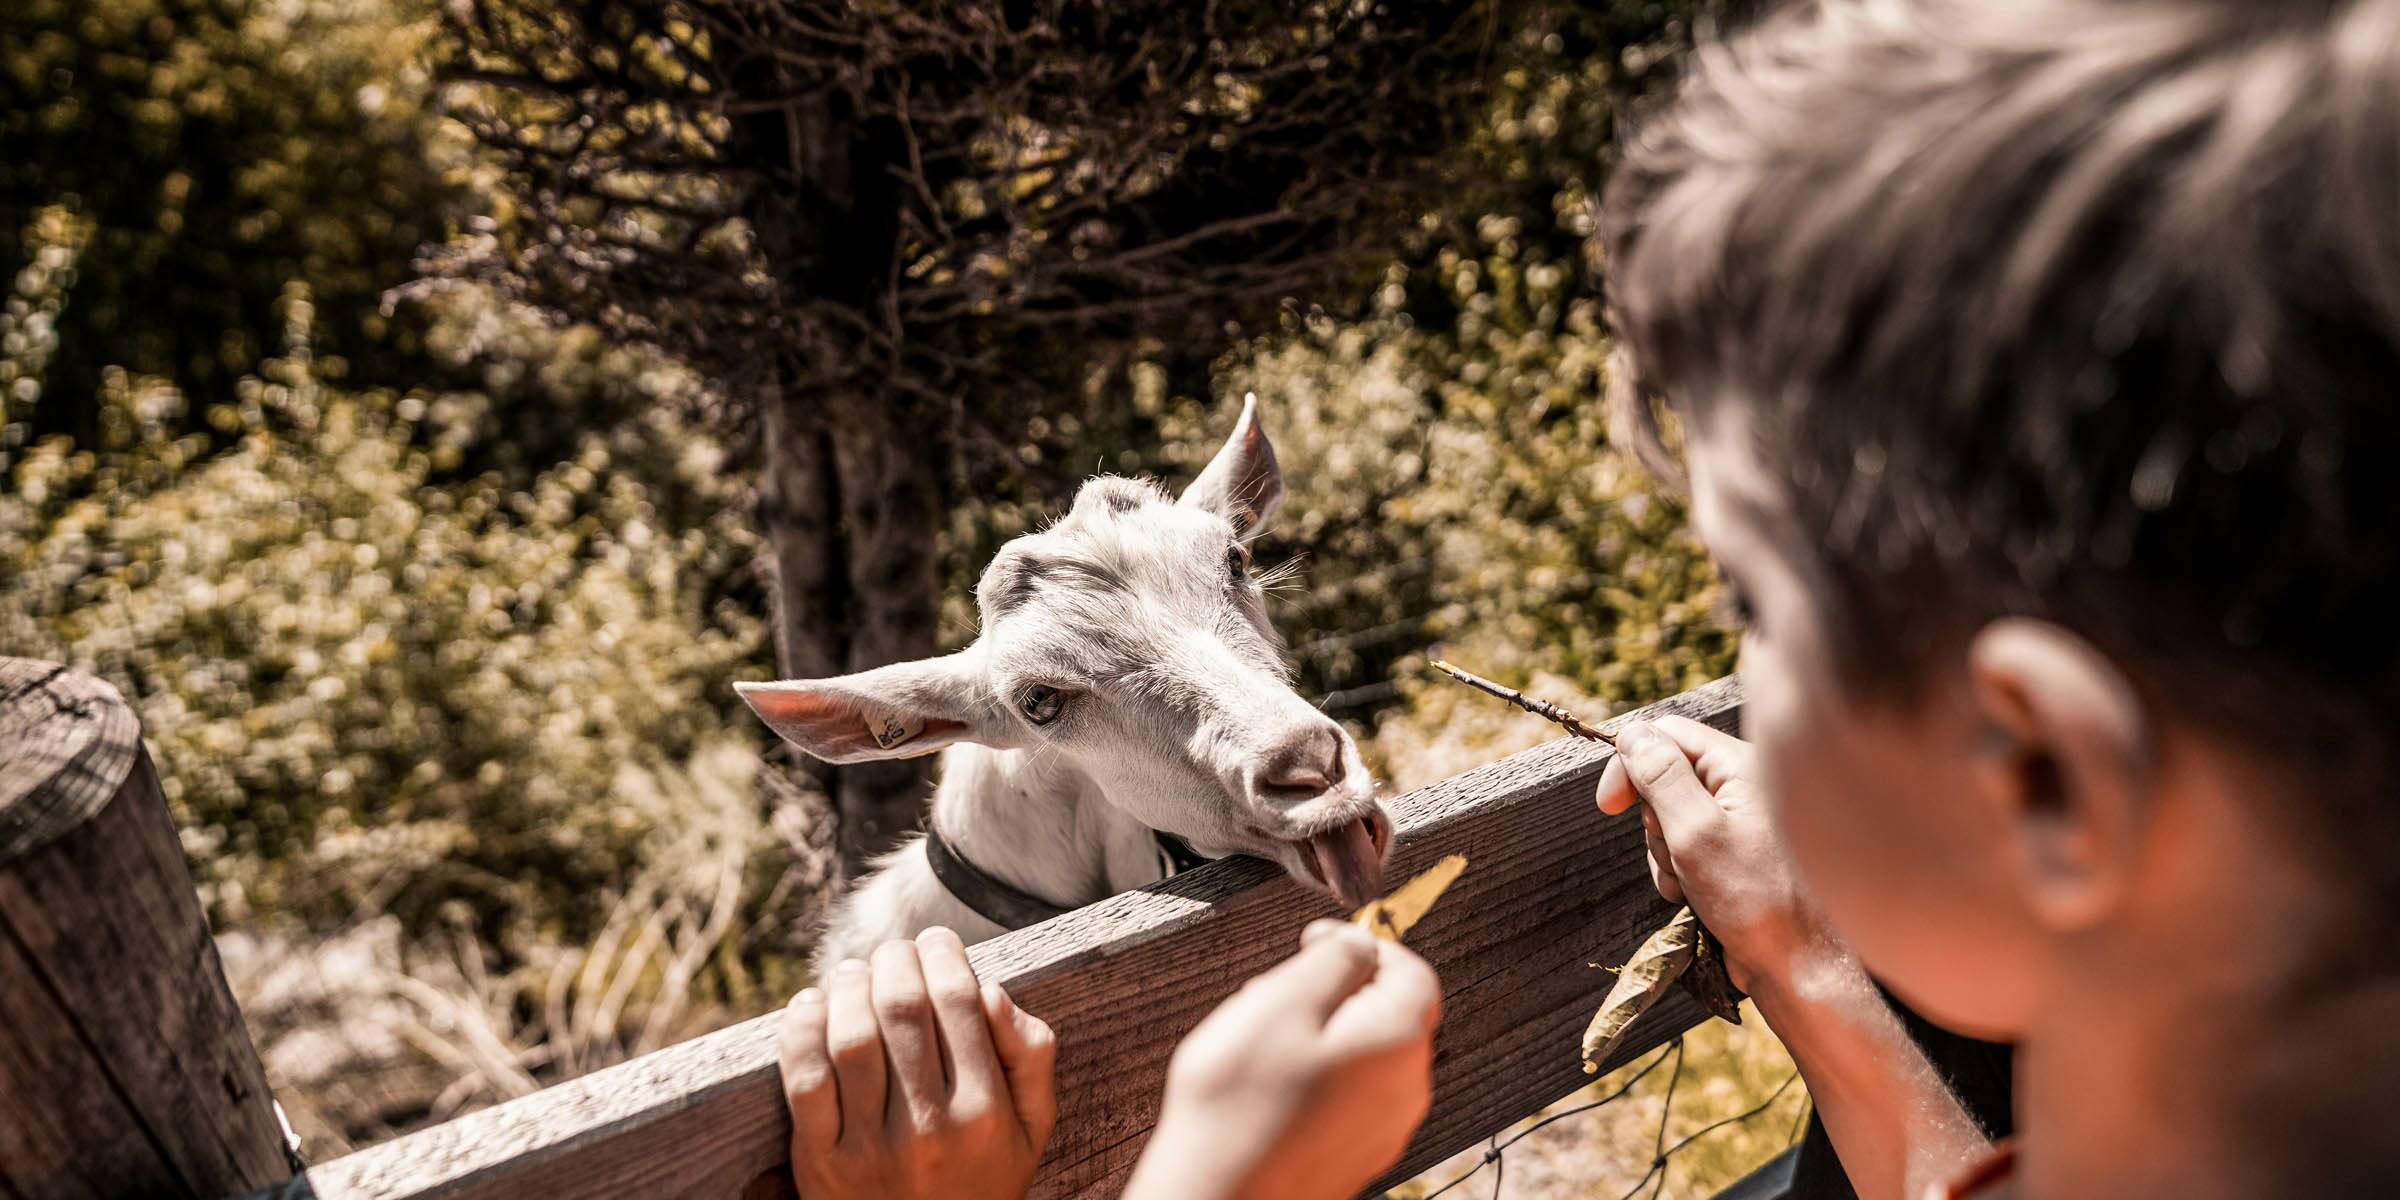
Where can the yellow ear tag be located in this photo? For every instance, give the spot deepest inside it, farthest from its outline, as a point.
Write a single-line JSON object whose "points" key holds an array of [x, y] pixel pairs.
{"points": [[891, 729], [1393, 916]]}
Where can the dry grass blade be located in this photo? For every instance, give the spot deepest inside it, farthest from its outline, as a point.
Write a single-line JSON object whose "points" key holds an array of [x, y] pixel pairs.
{"points": [[1393, 916]]}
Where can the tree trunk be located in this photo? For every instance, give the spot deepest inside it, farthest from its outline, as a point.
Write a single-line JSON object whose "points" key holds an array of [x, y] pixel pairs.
{"points": [[799, 513], [853, 489], [891, 502], [850, 498], [799, 509]]}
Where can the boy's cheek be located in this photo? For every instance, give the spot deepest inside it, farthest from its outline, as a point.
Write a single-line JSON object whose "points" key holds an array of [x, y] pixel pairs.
{"points": [[1869, 862], [1819, 790], [1836, 824], [1870, 808]]}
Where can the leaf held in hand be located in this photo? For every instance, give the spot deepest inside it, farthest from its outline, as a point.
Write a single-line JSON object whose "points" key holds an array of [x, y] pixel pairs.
{"points": [[1710, 983], [1662, 959], [1393, 916]]}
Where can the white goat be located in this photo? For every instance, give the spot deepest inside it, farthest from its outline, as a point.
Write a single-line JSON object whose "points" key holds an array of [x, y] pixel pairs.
{"points": [[1126, 683]]}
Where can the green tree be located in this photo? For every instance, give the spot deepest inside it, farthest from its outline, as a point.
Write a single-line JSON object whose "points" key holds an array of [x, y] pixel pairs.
{"points": [[321, 639], [1452, 476], [452, 755], [894, 231], [214, 150]]}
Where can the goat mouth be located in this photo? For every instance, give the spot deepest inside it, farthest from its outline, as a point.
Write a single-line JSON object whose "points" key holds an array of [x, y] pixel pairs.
{"points": [[1347, 859]]}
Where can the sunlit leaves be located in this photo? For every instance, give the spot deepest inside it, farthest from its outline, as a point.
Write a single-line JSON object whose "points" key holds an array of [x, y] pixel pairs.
{"points": [[319, 637]]}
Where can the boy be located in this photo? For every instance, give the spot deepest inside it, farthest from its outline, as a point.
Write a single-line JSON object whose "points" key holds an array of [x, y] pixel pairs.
{"points": [[2039, 362], [2037, 365]]}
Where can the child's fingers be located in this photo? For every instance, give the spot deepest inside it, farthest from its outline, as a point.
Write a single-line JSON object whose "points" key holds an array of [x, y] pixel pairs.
{"points": [[1662, 860], [904, 1012], [1717, 757], [1400, 1003], [1029, 1056], [1615, 793], [1322, 927], [1663, 775], [1329, 967], [856, 1047], [1696, 737], [809, 1086], [959, 1017]]}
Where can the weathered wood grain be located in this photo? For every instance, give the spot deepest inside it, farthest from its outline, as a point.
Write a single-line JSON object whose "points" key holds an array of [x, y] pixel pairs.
{"points": [[124, 1061], [68, 743], [1551, 888]]}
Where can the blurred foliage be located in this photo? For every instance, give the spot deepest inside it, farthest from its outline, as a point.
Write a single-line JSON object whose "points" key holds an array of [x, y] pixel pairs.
{"points": [[1726, 1070], [949, 206], [428, 614], [482, 725], [370, 1028], [375, 693], [216, 150], [1451, 479]]}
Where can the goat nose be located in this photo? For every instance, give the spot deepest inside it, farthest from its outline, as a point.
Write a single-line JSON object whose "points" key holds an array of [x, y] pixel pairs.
{"points": [[1304, 765]]}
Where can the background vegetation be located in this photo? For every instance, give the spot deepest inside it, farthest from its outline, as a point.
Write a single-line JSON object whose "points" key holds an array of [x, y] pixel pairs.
{"points": [[380, 418]]}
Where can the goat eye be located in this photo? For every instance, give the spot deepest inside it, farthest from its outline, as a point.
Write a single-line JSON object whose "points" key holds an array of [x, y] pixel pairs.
{"points": [[1041, 705]]}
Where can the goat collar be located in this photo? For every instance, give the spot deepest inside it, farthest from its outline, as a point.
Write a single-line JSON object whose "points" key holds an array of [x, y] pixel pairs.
{"points": [[1012, 907], [1179, 853]]}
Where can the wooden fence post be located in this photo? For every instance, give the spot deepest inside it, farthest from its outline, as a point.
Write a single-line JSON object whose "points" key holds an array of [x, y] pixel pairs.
{"points": [[124, 1066]]}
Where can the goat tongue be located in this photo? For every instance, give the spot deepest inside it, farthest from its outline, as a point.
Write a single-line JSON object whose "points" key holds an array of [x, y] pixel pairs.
{"points": [[1352, 866]]}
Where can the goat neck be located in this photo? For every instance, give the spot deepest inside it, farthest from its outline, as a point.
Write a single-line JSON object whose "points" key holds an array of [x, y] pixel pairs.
{"points": [[1035, 822]]}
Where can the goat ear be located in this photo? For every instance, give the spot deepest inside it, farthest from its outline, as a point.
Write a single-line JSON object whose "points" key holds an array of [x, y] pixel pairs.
{"points": [[900, 711], [1242, 483]]}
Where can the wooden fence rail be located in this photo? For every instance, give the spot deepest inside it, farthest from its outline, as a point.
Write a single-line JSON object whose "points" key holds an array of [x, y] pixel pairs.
{"points": [[133, 1046], [1551, 887]]}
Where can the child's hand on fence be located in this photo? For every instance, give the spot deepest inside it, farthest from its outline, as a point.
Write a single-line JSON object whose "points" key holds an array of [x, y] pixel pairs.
{"points": [[1714, 847], [1305, 1083], [907, 1079]]}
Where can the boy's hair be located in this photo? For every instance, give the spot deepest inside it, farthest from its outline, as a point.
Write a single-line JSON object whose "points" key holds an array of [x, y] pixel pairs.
{"points": [[2081, 309]]}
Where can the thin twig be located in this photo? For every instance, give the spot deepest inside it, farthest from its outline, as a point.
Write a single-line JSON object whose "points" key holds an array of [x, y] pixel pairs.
{"points": [[1538, 707]]}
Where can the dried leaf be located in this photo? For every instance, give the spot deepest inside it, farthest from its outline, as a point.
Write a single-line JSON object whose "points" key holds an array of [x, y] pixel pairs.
{"points": [[1393, 916], [1661, 960], [1710, 983]]}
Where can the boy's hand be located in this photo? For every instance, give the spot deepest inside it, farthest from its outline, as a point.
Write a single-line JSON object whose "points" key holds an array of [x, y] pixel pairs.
{"points": [[1305, 1083], [1712, 846], [906, 1079]]}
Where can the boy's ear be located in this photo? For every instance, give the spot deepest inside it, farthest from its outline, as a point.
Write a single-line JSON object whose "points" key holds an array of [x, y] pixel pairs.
{"points": [[900, 711], [2069, 765], [1242, 483]]}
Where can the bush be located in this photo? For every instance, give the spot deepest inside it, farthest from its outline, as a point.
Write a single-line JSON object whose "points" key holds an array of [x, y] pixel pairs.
{"points": [[486, 730]]}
